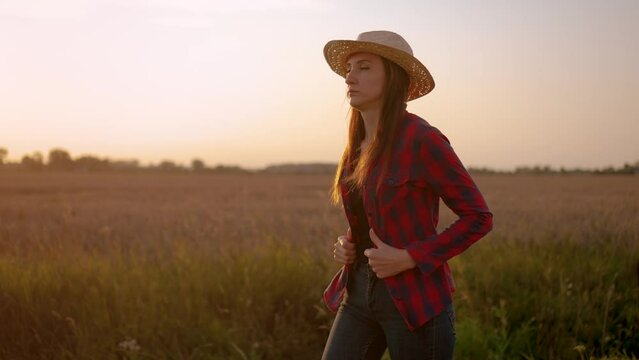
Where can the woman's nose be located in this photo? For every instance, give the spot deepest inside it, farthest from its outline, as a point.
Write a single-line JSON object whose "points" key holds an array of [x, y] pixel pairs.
{"points": [[349, 78]]}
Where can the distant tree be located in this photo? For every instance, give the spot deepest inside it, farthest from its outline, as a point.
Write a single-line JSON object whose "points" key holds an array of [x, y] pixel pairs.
{"points": [[197, 165], [91, 163], [629, 169], [3, 155], [59, 159], [228, 169], [34, 161], [481, 170], [167, 165]]}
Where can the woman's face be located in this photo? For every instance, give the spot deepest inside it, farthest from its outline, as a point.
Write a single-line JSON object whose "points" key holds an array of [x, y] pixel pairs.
{"points": [[365, 78]]}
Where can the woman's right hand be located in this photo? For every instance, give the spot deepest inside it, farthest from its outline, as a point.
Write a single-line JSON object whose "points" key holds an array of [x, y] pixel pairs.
{"points": [[344, 252]]}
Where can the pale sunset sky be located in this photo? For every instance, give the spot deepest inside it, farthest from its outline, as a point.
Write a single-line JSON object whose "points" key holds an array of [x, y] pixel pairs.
{"points": [[245, 82]]}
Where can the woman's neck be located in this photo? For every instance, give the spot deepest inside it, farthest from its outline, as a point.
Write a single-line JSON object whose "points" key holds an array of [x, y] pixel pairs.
{"points": [[371, 119]]}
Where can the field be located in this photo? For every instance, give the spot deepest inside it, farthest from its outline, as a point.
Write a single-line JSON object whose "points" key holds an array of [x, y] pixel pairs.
{"points": [[141, 266]]}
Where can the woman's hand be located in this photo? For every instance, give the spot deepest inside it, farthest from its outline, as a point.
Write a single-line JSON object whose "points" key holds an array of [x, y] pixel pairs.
{"points": [[386, 260], [344, 252]]}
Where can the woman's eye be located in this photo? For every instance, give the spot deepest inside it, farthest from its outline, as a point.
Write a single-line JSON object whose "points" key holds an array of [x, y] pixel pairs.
{"points": [[363, 68]]}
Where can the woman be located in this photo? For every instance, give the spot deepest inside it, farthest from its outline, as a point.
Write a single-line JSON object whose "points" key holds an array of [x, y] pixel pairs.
{"points": [[395, 288]]}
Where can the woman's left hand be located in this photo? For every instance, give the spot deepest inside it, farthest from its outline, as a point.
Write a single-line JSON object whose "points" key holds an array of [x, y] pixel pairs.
{"points": [[386, 260]]}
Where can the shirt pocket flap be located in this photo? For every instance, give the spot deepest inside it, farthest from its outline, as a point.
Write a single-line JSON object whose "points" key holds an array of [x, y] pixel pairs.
{"points": [[403, 177]]}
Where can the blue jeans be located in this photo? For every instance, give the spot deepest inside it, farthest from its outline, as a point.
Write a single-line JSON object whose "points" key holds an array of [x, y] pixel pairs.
{"points": [[367, 322]]}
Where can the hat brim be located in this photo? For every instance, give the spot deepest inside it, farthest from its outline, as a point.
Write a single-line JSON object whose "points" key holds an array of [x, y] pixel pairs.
{"points": [[336, 52]]}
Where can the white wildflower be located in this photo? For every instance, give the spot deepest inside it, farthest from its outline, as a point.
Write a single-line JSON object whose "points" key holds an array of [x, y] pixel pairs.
{"points": [[129, 345]]}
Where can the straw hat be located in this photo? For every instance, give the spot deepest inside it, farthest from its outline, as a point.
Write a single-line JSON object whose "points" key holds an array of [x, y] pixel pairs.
{"points": [[388, 45]]}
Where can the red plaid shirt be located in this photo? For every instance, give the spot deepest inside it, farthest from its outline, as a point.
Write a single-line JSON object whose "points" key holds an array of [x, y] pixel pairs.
{"points": [[404, 214]]}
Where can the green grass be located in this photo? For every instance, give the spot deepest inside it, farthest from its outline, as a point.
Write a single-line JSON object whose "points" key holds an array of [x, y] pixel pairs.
{"points": [[516, 300], [183, 304], [544, 300]]}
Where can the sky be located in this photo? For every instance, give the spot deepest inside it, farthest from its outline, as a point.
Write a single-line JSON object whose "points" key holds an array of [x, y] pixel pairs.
{"points": [[518, 83]]}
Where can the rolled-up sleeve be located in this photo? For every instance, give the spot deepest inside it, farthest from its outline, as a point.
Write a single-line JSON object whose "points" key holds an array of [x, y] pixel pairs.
{"points": [[445, 174]]}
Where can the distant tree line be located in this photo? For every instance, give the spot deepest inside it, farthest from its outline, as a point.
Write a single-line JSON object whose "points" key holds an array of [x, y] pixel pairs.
{"points": [[626, 169], [59, 159]]}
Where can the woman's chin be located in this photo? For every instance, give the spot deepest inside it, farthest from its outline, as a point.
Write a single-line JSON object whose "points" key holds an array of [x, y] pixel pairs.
{"points": [[361, 105], [356, 104]]}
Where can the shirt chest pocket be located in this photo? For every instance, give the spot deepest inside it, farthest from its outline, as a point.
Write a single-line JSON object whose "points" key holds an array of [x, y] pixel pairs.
{"points": [[397, 187]]}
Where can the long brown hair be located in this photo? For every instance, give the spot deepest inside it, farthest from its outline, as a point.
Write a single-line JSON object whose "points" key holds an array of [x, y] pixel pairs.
{"points": [[395, 93]]}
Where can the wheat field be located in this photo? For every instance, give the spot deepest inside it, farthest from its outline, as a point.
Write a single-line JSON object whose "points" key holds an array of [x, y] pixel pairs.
{"points": [[193, 266]]}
